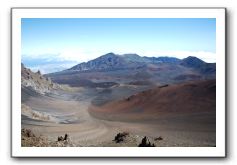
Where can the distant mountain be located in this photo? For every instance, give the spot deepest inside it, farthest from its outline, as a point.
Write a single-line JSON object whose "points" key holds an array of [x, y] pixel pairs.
{"points": [[193, 62], [111, 70], [135, 58], [107, 61], [171, 60], [196, 63], [113, 61]]}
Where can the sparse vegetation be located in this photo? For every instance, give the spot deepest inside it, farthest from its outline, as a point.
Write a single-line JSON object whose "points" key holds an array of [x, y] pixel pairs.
{"points": [[61, 138], [146, 143], [120, 137]]}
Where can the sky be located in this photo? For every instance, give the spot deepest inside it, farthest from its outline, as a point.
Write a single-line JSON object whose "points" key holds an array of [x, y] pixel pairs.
{"points": [[53, 44]]}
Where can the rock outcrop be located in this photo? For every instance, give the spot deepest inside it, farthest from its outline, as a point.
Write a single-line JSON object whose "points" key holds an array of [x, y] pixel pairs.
{"points": [[146, 143], [37, 81]]}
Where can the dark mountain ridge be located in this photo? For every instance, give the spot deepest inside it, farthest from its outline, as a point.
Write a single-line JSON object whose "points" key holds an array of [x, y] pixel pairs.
{"points": [[132, 68], [114, 61]]}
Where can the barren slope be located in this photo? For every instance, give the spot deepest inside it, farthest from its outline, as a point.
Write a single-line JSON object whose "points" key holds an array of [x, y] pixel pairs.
{"points": [[193, 98]]}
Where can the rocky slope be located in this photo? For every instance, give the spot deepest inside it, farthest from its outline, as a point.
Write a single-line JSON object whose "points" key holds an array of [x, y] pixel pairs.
{"points": [[36, 81]]}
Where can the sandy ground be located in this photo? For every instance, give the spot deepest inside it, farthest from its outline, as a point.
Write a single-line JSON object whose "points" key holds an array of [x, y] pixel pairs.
{"points": [[68, 113]]}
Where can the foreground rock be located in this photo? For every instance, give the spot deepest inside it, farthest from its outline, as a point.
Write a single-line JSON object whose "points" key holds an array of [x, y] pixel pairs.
{"points": [[120, 137], [29, 139], [146, 143], [38, 82], [65, 138]]}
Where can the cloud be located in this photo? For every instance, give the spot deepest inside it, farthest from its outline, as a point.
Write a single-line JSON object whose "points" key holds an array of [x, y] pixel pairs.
{"points": [[46, 63], [51, 68]]}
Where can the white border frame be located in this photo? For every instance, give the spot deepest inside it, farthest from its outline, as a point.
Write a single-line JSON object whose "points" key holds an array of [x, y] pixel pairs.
{"points": [[218, 151]]}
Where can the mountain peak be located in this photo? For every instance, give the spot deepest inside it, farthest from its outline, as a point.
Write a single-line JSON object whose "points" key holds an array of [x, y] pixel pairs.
{"points": [[192, 61], [192, 58], [107, 61], [109, 54]]}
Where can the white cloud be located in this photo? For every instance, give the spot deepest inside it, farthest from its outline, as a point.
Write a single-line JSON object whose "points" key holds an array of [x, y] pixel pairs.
{"points": [[69, 57], [46, 56], [48, 63], [50, 68]]}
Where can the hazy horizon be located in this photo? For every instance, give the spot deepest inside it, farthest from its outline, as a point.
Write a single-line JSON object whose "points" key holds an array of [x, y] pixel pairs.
{"points": [[54, 44], [45, 65]]}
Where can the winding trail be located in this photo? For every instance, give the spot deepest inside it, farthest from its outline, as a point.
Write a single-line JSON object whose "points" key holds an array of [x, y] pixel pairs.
{"points": [[69, 114]]}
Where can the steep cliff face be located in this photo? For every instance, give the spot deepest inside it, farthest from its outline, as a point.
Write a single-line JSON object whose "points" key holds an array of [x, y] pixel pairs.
{"points": [[37, 81]]}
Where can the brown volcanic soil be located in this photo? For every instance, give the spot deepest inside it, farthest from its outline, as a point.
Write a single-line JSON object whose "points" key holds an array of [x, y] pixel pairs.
{"points": [[184, 115], [193, 98]]}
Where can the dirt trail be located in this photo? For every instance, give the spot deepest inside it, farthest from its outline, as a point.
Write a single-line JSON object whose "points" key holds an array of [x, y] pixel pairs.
{"points": [[70, 115], [69, 112]]}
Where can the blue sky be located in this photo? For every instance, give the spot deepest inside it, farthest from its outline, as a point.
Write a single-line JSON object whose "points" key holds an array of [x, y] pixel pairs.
{"points": [[75, 40]]}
